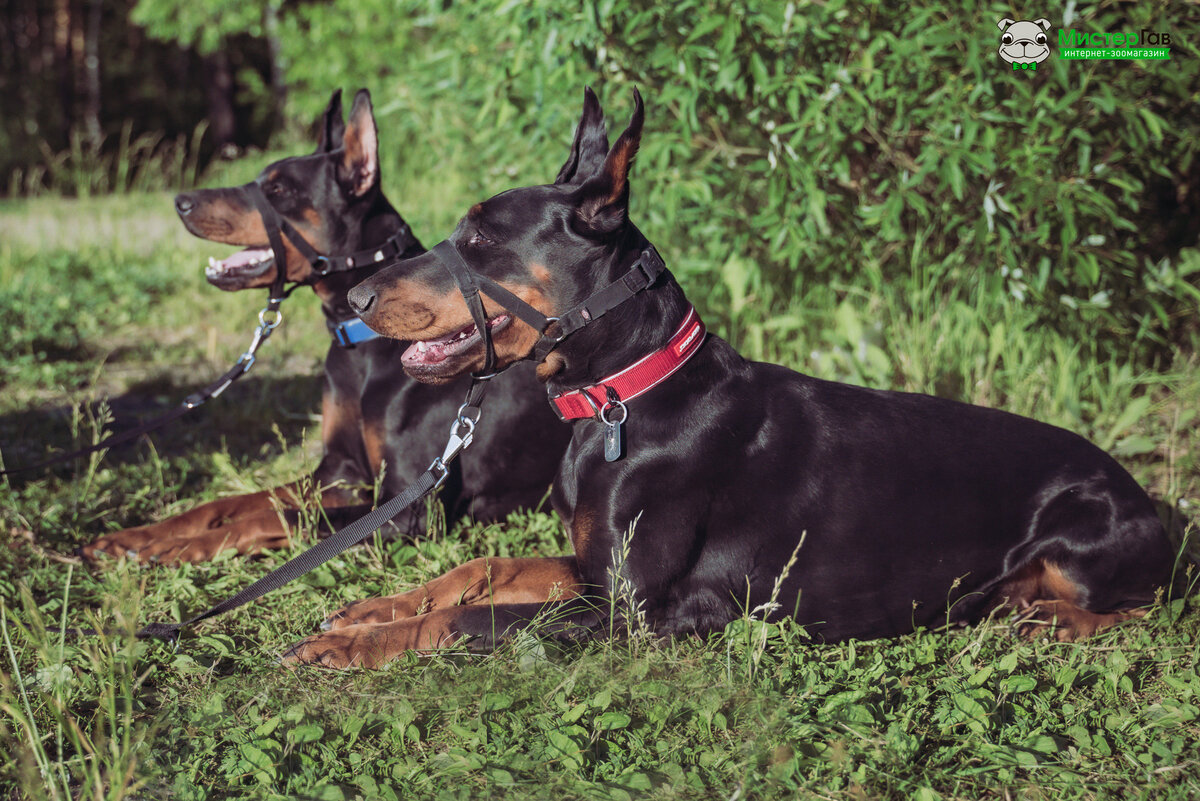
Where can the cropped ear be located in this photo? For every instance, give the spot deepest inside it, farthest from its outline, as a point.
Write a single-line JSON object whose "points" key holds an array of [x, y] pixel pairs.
{"points": [[332, 126], [360, 161], [1004, 23], [590, 145], [1045, 23], [603, 204]]}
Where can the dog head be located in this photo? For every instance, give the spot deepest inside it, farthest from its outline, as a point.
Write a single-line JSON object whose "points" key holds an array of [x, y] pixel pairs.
{"points": [[549, 245], [1024, 42], [324, 195]]}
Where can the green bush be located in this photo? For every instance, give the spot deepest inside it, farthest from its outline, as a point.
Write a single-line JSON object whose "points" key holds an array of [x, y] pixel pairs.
{"points": [[818, 145]]}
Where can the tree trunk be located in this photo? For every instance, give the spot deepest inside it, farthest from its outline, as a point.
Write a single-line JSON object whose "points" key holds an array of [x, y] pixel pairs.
{"points": [[62, 65], [218, 85], [91, 65], [271, 29]]}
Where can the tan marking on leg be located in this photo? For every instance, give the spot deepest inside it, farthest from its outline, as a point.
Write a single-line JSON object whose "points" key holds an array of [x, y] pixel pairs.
{"points": [[583, 523], [248, 523], [480, 581], [1047, 599], [339, 418], [375, 441]]}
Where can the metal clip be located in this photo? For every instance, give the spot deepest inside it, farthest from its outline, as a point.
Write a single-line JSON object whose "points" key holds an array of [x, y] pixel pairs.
{"points": [[462, 434]]}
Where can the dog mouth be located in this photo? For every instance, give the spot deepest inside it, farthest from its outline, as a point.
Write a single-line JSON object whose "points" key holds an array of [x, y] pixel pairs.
{"points": [[1025, 51], [431, 353], [245, 265]]}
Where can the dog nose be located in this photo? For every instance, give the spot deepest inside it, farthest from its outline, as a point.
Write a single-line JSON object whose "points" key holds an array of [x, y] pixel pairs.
{"points": [[184, 204], [361, 299]]}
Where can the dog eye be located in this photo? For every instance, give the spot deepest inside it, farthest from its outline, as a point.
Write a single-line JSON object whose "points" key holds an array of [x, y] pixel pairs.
{"points": [[276, 189], [1041, 38], [1006, 38], [478, 239]]}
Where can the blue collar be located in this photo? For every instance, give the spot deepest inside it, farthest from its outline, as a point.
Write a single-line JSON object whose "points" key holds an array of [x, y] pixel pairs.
{"points": [[349, 333]]}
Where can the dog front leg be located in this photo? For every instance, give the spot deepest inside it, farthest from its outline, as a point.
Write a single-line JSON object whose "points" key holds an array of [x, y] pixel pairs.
{"points": [[480, 581]]}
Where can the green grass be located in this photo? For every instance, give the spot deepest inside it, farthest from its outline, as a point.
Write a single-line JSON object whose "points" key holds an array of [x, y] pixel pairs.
{"points": [[105, 298]]}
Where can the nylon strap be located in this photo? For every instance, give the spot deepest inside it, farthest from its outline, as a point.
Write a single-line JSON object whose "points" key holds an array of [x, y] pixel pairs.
{"points": [[273, 223], [641, 274], [469, 287], [315, 556], [390, 251], [349, 333], [326, 549], [461, 435]]}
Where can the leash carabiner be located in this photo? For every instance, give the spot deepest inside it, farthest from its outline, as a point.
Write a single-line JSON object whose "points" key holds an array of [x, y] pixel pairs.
{"points": [[462, 434]]}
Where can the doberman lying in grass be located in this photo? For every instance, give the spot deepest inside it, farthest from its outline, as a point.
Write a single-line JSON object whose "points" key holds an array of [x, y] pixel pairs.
{"points": [[881, 512], [374, 417]]}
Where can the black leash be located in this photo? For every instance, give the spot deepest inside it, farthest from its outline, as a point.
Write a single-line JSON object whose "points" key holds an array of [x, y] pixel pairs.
{"points": [[269, 319], [461, 434], [266, 325]]}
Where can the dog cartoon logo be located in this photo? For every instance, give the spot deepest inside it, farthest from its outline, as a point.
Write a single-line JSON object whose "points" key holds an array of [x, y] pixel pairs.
{"points": [[1023, 43]]}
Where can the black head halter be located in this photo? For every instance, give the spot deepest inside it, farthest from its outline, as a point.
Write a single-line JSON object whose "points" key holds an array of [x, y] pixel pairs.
{"points": [[641, 275], [277, 227]]}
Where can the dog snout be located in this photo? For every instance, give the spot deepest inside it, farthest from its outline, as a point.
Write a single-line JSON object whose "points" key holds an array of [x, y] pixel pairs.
{"points": [[362, 300], [184, 204]]}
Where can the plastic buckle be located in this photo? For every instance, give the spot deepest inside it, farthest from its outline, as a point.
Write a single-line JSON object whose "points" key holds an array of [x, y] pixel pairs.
{"points": [[651, 264]]}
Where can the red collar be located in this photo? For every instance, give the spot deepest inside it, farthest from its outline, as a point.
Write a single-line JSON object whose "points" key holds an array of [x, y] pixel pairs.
{"points": [[639, 377]]}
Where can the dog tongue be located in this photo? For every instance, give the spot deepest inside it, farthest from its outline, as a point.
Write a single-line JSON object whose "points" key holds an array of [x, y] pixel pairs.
{"points": [[435, 351], [244, 257], [424, 353]]}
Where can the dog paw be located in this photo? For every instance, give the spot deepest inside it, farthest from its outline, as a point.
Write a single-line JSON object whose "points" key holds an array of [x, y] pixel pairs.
{"points": [[372, 645], [127, 543], [335, 650]]}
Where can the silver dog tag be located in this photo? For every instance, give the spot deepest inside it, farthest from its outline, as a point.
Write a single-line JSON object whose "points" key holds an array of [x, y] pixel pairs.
{"points": [[614, 441]]}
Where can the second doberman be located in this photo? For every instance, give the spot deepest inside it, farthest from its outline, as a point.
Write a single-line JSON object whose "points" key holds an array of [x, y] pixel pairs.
{"points": [[374, 418], [747, 486]]}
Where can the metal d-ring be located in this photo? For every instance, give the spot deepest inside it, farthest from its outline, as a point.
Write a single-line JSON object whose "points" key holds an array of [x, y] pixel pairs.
{"points": [[262, 318], [551, 321], [615, 404], [464, 419]]}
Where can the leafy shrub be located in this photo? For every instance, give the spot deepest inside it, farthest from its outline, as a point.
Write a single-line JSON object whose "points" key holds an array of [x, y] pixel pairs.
{"points": [[816, 144]]}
